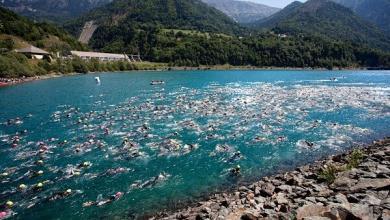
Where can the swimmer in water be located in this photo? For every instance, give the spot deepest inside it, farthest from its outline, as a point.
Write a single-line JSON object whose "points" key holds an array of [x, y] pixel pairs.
{"points": [[60, 195], [101, 202], [236, 170]]}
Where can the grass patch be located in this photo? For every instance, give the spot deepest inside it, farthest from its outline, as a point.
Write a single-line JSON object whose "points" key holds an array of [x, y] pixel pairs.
{"points": [[355, 158], [329, 172]]}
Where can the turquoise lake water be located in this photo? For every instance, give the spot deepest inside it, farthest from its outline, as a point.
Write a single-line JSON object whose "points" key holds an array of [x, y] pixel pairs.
{"points": [[166, 144]]}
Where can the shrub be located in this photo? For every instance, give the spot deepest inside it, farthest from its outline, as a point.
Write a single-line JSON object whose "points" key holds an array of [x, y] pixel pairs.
{"points": [[328, 173], [355, 158]]}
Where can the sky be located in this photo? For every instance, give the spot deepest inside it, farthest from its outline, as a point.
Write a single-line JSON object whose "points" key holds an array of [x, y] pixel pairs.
{"points": [[275, 3]]}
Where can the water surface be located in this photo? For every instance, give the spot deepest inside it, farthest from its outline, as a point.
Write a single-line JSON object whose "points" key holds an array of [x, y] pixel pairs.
{"points": [[182, 137]]}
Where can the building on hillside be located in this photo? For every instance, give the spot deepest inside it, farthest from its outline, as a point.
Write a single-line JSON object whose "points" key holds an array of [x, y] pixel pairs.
{"points": [[106, 56], [34, 53]]}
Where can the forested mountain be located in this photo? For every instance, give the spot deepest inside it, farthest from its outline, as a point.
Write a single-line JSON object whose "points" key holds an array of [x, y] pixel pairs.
{"points": [[122, 15], [19, 32], [243, 11], [44, 35], [52, 10], [375, 11], [326, 19]]}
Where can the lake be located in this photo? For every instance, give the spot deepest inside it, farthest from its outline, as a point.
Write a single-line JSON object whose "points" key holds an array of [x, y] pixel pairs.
{"points": [[72, 148]]}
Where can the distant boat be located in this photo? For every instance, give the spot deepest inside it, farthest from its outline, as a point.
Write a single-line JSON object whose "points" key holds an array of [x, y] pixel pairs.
{"points": [[157, 82], [97, 79]]}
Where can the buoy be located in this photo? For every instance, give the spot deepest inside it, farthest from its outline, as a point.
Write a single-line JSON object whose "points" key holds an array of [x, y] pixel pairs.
{"points": [[97, 79]]}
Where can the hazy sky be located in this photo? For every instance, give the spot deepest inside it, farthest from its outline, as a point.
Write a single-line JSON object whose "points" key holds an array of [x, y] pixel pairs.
{"points": [[275, 3]]}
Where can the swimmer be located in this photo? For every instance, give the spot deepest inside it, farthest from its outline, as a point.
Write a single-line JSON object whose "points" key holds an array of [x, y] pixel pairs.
{"points": [[236, 156], [236, 170], [84, 165], [100, 201], [112, 172], [60, 195], [155, 180]]}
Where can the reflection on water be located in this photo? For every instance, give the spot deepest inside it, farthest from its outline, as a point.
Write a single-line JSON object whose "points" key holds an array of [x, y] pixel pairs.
{"points": [[71, 148]]}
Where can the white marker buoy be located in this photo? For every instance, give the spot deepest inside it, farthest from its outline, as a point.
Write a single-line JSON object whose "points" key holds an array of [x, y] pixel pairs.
{"points": [[97, 79]]}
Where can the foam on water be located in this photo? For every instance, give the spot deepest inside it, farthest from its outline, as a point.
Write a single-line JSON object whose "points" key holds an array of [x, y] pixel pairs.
{"points": [[174, 142]]}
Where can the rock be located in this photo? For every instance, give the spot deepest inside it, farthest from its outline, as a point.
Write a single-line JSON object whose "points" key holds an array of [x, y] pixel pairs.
{"points": [[267, 189], [294, 180], [343, 183], [316, 218], [281, 199], [386, 203], [283, 188], [321, 199], [182, 216], [225, 203], [386, 214], [368, 166], [370, 200], [382, 169], [243, 189], [382, 194], [311, 210], [206, 210], [249, 216], [223, 211], [325, 192], [257, 191], [250, 196], [376, 184], [354, 198], [260, 199], [269, 205], [341, 198]]}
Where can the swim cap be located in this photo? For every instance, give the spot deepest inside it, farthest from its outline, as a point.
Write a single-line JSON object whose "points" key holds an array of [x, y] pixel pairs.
{"points": [[40, 172], [40, 185], [68, 191], [9, 203], [22, 186]]}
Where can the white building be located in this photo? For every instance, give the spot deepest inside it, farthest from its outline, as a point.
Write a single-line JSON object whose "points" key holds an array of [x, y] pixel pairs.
{"points": [[100, 56], [33, 52]]}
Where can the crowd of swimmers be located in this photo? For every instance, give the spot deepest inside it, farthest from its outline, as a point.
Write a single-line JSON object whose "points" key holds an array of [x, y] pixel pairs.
{"points": [[154, 125]]}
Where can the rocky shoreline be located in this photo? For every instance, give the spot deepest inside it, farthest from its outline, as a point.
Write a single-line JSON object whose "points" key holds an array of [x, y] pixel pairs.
{"points": [[353, 185]]}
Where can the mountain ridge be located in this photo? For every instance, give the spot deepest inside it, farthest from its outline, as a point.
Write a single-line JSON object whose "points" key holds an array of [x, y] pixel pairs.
{"points": [[243, 11], [52, 10], [377, 11], [328, 19]]}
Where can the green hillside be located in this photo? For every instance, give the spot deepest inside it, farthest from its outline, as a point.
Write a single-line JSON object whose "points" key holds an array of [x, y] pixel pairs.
{"points": [[177, 14], [375, 11], [328, 20], [56, 11], [42, 35]]}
